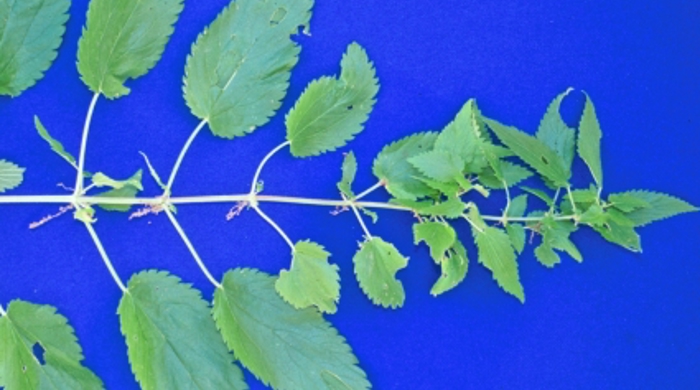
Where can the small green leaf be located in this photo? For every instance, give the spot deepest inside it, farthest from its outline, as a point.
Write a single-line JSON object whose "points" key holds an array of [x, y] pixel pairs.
{"points": [[349, 170], [464, 139], [99, 179], [595, 215], [285, 348], [311, 281], [85, 214], [439, 237], [534, 152], [589, 141], [583, 197], [371, 214], [332, 111], [131, 187], [27, 325], [239, 69], [452, 208], [624, 236], [496, 253], [449, 189], [172, 339], [511, 173], [516, 232], [30, 33], [438, 165], [376, 265], [539, 194], [123, 40], [454, 269], [56, 146], [11, 176], [392, 167], [661, 206], [546, 255], [554, 132], [555, 235], [518, 206]]}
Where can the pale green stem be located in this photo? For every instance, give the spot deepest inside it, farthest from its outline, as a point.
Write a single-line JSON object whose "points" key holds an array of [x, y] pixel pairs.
{"points": [[193, 251], [353, 206], [554, 200], [275, 226], [480, 230], [258, 172], [83, 146], [369, 190], [2, 312], [105, 258], [571, 199], [505, 211], [181, 157]]}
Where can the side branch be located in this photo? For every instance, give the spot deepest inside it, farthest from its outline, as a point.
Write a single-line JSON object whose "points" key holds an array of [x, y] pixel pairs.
{"points": [[83, 146], [105, 258], [181, 157], [275, 226]]}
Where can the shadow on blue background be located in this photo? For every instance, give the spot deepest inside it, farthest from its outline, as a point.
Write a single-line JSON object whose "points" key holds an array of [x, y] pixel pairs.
{"points": [[619, 320]]}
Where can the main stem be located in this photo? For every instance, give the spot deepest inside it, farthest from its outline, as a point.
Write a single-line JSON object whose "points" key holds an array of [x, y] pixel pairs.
{"points": [[181, 157], [83, 146]]}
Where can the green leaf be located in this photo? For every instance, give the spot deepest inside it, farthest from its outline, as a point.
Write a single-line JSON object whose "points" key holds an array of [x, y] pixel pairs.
{"points": [[464, 139], [516, 233], [392, 167], [332, 111], [518, 205], [99, 180], [56, 146], [454, 270], [546, 255], [627, 202], [30, 33], [496, 253], [594, 215], [661, 206], [582, 197], [131, 187], [589, 141], [11, 176], [285, 348], [438, 165], [311, 279], [449, 189], [439, 237], [349, 170], [239, 69], [85, 214], [554, 132], [452, 208], [622, 235], [555, 235], [539, 194], [172, 339], [123, 40], [371, 214], [534, 152], [510, 173], [376, 265], [27, 325]]}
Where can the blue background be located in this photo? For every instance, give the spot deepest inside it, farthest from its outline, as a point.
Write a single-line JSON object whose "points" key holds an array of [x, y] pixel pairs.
{"points": [[619, 320]]}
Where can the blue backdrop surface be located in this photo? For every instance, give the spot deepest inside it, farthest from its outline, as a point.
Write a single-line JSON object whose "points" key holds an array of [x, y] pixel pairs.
{"points": [[618, 320]]}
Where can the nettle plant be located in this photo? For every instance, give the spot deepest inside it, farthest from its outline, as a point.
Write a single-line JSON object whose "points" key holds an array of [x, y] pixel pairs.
{"points": [[235, 79]]}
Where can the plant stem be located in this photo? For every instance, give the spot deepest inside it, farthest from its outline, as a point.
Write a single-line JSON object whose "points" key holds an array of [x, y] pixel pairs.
{"points": [[189, 245], [181, 157], [369, 190], [571, 199], [83, 146], [274, 225], [505, 211], [105, 258], [258, 172], [353, 206]]}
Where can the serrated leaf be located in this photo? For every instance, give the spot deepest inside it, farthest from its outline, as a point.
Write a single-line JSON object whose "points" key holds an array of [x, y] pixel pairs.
{"points": [[624, 236], [392, 167], [438, 165], [439, 237], [349, 170], [56, 146], [311, 281], [463, 138], [583, 198], [589, 141], [11, 176], [30, 33], [594, 215], [516, 233], [376, 265], [546, 255], [454, 269], [555, 235], [239, 69], [126, 191], [331, 111], [497, 254], [627, 202], [534, 152], [554, 132], [452, 208], [172, 340], [286, 348], [123, 40], [661, 206], [539, 194], [26, 325], [449, 189], [518, 206], [511, 173]]}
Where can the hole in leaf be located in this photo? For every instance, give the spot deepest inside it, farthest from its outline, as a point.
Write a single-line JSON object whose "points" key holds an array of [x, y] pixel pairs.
{"points": [[278, 16], [38, 351], [350, 108]]}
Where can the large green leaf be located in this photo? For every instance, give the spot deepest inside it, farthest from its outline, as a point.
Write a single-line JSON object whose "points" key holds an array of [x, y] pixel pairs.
{"points": [[11, 176], [589, 141], [27, 325], [30, 33], [172, 339], [123, 40], [239, 69], [311, 279], [439, 237], [556, 134], [497, 254], [376, 265], [439, 165], [392, 167], [332, 111], [465, 138], [286, 348], [622, 235], [534, 152], [661, 206]]}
